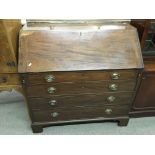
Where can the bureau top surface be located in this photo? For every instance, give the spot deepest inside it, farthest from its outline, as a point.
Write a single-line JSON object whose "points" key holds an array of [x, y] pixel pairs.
{"points": [[71, 47]]}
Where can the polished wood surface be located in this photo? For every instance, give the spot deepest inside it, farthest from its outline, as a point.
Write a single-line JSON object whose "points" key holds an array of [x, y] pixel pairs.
{"points": [[83, 88], [144, 104], [145, 97], [78, 73], [142, 113], [37, 127], [80, 100], [73, 48], [79, 113], [73, 95], [40, 78]]}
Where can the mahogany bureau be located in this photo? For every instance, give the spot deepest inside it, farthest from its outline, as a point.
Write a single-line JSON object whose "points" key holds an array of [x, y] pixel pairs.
{"points": [[78, 71]]}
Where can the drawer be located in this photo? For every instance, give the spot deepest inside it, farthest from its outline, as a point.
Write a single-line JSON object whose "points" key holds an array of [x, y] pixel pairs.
{"points": [[79, 88], [81, 100], [9, 79], [79, 113], [52, 77]]}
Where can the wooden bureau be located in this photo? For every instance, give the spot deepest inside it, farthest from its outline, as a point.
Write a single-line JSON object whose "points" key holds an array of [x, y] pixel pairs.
{"points": [[81, 71]]}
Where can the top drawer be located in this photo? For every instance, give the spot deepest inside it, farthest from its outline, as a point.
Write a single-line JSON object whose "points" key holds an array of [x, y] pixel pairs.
{"points": [[52, 77]]}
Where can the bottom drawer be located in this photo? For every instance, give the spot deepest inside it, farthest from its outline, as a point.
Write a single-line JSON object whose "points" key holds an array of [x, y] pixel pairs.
{"points": [[79, 113]]}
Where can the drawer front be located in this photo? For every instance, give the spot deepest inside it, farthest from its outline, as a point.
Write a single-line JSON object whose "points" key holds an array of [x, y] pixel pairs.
{"points": [[79, 88], [81, 100], [52, 77], [9, 79], [79, 113]]}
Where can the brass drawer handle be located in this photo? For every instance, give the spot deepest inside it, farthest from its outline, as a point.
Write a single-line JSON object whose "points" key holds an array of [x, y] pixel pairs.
{"points": [[51, 90], [113, 87], [52, 102], [108, 111], [115, 76], [111, 98], [49, 78], [54, 114]]}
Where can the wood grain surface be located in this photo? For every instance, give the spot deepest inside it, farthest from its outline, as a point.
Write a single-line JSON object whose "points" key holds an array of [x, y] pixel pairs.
{"points": [[81, 100], [39, 78], [79, 113], [80, 58], [79, 88], [145, 98], [9, 30], [73, 48]]}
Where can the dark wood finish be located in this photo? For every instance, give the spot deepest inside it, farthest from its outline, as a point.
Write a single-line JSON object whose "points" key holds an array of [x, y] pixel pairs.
{"points": [[145, 111], [73, 48], [146, 31], [79, 88], [79, 61], [142, 113], [146, 94], [142, 28], [79, 113], [80, 100], [123, 122], [37, 127], [148, 59], [39, 78], [144, 104]]}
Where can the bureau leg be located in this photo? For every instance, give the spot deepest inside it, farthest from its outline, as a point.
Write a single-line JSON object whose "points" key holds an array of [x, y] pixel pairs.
{"points": [[36, 128], [123, 122]]}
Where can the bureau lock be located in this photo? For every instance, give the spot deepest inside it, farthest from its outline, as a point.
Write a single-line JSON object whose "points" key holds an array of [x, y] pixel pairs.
{"points": [[115, 76]]}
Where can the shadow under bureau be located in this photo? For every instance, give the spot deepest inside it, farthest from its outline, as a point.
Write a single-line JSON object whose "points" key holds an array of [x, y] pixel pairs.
{"points": [[77, 72]]}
